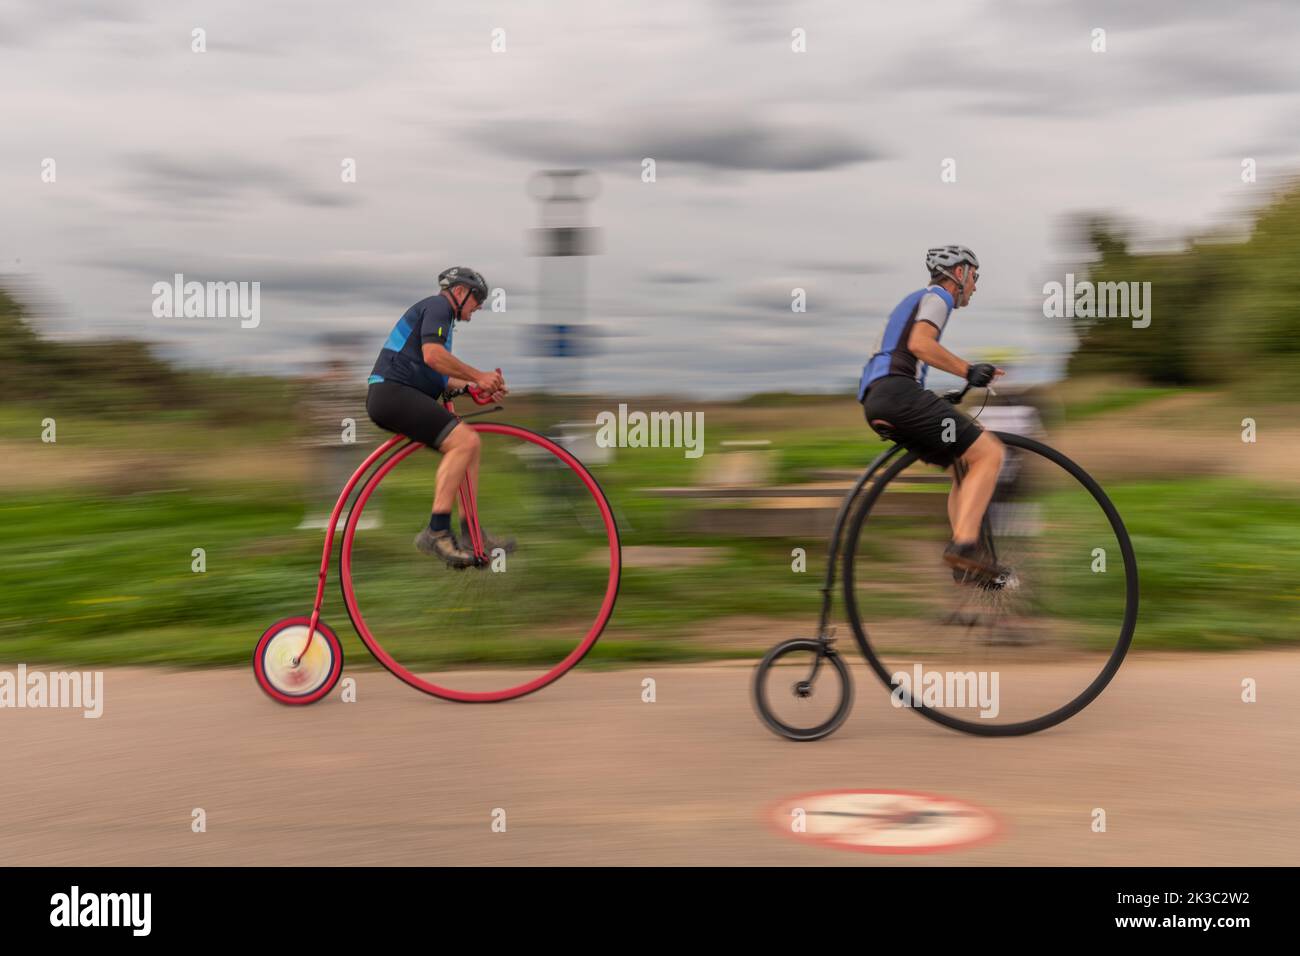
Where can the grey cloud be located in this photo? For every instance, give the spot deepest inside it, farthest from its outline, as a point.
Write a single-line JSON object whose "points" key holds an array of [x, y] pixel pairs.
{"points": [[755, 20], [838, 266], [1279, 140], [1212, 68], [23, 27], [1150, 14], [335, 283], [729, 143], [1190, 53], [208, 182], [772, 298], [677, 278], [360, 279]]}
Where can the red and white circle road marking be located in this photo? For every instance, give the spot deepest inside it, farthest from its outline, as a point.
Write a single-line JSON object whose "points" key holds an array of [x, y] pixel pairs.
{"points": [[884, 821]]}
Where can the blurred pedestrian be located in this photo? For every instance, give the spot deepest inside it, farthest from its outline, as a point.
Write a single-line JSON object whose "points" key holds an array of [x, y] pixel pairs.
{"points": [[333, 415]]}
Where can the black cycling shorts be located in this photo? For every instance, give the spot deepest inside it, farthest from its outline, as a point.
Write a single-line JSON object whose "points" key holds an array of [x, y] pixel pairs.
{"points": [[408, 411], [919, 420]]}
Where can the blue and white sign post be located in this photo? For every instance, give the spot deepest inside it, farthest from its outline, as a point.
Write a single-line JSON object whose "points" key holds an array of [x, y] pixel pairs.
{"points": [[561, 336]]}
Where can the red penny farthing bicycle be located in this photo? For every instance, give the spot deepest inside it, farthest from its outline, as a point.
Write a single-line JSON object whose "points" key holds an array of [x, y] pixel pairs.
{"points": [[549, 562]]}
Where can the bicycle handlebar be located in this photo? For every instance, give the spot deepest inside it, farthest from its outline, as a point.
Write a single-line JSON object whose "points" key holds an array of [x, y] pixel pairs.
{"points": [[480, 398], [955, 397]]}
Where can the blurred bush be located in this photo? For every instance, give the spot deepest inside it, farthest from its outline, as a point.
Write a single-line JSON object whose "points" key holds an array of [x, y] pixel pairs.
{"points": [[122, 377], [1225, 311]]}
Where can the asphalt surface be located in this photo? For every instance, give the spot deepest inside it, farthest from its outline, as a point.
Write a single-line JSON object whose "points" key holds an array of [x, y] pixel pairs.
{"points": [[586, 772]]}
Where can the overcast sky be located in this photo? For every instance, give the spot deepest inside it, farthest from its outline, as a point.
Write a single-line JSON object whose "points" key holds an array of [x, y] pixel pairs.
{"points": [[775, 169]]}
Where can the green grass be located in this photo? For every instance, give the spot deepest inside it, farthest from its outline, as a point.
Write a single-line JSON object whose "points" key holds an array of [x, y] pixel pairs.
{"points": [[810, 450], [1219, 561], [1117, 399], [105, 579]]}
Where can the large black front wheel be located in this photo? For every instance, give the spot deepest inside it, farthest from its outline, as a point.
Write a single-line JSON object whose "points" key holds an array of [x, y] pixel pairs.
{"points": [[1012, 655]]}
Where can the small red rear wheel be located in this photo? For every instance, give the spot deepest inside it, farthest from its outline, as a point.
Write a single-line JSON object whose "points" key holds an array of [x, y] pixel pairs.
{"points": [[292, 671]]}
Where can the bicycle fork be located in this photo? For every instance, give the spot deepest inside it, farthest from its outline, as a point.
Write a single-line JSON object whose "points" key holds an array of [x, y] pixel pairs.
{"points": [[825, 632], [468, 500], [329, 538], [469, 511]]}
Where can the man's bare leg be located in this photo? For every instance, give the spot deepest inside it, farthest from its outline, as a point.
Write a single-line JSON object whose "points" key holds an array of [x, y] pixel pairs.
{"points": [[958, 471], [460, 451], [983, 460], [460, 455]]}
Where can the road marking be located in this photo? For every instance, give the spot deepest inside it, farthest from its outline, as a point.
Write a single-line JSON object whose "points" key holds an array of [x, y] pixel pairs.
{"points": [[884, 821]]}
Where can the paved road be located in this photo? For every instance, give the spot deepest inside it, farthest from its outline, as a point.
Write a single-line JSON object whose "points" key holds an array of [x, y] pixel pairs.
{"points": [[588, 773]]}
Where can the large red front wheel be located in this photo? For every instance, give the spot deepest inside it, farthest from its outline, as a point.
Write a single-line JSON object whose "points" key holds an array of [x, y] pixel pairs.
{"points": [[514, 625]]}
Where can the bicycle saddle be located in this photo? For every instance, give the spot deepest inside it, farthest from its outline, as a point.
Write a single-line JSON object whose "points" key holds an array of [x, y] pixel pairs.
{"points": [[882, 428]]}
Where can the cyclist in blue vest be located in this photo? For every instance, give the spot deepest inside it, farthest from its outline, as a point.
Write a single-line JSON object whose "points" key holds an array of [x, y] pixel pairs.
{"points": [[898, 406], [414, 368]]}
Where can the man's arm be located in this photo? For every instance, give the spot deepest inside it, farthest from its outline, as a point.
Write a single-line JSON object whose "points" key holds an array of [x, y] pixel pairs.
{"points": [[444, 363], [923, 342]]}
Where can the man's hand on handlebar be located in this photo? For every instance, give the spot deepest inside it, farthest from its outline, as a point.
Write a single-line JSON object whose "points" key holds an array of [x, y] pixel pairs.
{"points": [[979, 376], [489, 383], [487, 388], [973, 381]]}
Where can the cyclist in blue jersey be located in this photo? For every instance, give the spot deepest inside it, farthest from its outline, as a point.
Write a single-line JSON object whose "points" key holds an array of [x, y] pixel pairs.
{"points": [[898, 406], [414, 368]]}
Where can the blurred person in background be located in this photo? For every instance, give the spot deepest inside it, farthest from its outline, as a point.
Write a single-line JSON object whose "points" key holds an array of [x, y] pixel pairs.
{"points": [[899, 407], [331, 405], [415, 367]]}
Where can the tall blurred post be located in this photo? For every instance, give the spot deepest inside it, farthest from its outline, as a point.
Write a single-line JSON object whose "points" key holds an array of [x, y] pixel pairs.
{"points": [[333, 427], [562, 337]]}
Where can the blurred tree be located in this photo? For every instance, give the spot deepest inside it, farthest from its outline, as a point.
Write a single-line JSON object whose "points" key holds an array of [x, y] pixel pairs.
{"points": [[1223, 311], [125, 376]]}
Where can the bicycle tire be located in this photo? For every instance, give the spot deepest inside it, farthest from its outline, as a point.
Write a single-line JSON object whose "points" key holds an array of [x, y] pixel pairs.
{"points": [[528, 687], [1127, 626], [790, 731]]}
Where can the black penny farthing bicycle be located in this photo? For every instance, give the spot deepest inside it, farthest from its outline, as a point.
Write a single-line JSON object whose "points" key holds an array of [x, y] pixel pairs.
{"points": [[993, 657]]}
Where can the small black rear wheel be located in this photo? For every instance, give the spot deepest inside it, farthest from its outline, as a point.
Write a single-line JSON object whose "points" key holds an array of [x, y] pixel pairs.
{"points": [[803, 689]]}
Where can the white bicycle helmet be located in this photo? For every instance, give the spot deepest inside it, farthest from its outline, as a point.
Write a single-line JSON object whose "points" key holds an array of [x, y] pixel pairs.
{"points": [[941, 259]]}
